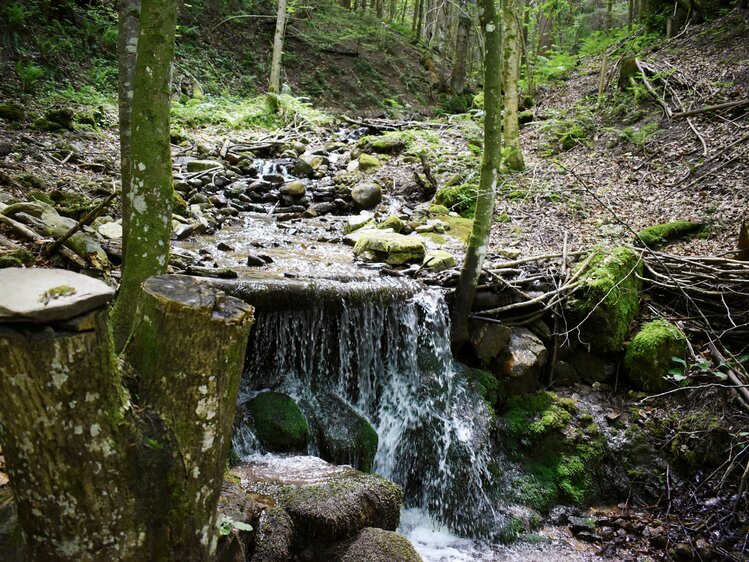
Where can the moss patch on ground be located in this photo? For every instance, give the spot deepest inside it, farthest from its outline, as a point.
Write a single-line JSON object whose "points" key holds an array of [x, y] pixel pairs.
{"points": [[649, 355], [608, 299], [659, 234], [459, 198]]}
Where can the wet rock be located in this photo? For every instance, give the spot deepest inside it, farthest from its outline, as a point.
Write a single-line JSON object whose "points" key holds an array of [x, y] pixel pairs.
{"points": [[198, 199], [255, 261], [275, 535], [325, 208], [366, 195], [326, 503], [345, 437], [438, 260], [218, 200], [391, 248], [278, 422], [224, 247], [235, 504], [202, 165], [294, 189], [183, 231], [362, 221], [378, 545], [110, 230], [214, 272]]}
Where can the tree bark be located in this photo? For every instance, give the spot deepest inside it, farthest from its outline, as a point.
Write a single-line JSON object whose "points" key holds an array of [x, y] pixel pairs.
{"points": [[96, 479], [490, 166], [275, 65], [147, 217], [127, 46], [458, 75], [511, 13]]}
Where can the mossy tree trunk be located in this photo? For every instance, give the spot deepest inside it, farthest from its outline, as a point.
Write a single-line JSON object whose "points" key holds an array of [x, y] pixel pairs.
{"points": [[275, 65], [490, 167], [147, 214], [512, 11], [109, 469]]}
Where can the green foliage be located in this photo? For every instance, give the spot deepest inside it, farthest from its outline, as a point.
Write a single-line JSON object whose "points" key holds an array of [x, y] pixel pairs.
{"points": [[226, 525], [565, 134], [29, 73], [639, 135]]}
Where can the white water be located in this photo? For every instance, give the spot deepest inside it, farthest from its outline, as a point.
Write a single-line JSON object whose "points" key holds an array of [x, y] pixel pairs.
{"points": [[392, 363]]}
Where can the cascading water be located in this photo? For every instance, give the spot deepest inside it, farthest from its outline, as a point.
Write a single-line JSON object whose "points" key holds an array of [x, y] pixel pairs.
{"points": [[391, 362]]}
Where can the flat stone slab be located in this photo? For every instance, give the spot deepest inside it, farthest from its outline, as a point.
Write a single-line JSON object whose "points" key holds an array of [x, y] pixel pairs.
{"points": [[45, 295]]}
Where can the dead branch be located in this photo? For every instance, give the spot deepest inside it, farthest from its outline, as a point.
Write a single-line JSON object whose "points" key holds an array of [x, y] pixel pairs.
{"points": [[86, 220], [720, 106]]}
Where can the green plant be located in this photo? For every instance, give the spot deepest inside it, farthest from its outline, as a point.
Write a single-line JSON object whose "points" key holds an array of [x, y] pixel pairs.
{"points": [[226, 525], [29, 73]]}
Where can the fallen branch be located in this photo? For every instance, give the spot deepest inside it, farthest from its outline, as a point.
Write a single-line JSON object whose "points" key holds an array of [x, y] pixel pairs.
{"points": [[86, 220], [706, 109], [29, 234]]}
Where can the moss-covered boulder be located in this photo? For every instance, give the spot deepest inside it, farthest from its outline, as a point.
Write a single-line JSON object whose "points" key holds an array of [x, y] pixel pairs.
{"points": [[278, 422], [659, 234], [394, 223], [438, 210], [559, 450], [459, 198], [377, 545], [649, 355], [366, 195], [438, 260], [345, 437], [368, 162], [63, 117], [390, 143], [608, 299], [389, 247], [12, 112], [325, 502], [179, 205]]}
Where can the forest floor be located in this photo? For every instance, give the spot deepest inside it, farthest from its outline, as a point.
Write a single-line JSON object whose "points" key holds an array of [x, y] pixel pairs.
{"points": [[598, 170]]}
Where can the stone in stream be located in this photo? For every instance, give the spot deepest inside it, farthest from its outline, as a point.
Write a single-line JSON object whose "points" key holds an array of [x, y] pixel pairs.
{"points": [[391, 248], [277, 422], [362, 221], [110, 230], [438, 260], [202, 165], [378, 545], [366, 195], [294, 189], [255, 261]]}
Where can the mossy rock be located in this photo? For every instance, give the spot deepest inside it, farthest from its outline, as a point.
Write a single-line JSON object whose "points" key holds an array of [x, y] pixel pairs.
{"points": [[345, 437], [659, 234], [33, 182], [362, 221], [649, 355], [389, 143], [71, 204], [393, 222], [459, 198], [63, 117], [368, 162], [179, 205], [12, 112], [438, 260], [16, 258], [392, 248], [486, 384], [608, 299], [438, 210], [377, 545], [559, 449], [278, 422]]}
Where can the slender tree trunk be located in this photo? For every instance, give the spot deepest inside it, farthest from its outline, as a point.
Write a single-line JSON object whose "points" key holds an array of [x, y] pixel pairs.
{"points": [[420, 20], [147, 220], [545, 33], [127, 46], [96, 478], [512, 11], [275, 65], [458, 75], [490, 167], [609, 10]]}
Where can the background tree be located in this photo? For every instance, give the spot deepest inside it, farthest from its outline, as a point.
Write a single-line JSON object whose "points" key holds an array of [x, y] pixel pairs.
{"points": [[275, 65], [147, 197], [511, 16], [490, 168]]}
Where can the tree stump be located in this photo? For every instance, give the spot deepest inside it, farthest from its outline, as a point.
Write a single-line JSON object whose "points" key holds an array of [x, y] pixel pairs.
{"points": [[96, 477]]}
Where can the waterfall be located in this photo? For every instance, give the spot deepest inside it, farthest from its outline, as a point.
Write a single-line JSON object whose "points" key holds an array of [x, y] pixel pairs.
{"points": [[391, 362]]}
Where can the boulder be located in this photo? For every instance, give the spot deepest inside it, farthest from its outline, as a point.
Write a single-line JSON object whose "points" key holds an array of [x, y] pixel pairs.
{"points": [[345, 437], [235, 505], [394, 223], [361, 221], [391, 248], [278, 422], [649, 355], [12, 112], [326, 503], [438, 260], [377, 545], [202, 165], [275, 534], [294, 189], [487, 340], [368, 162], [367, 195], [523, 360], [393, 142], [589, 367]]}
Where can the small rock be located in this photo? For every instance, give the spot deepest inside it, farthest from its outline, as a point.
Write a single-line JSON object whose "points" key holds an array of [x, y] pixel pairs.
{"points": [[368, 162], [110, 230], [224, 247], [255, 261], [183, 231], [438, 260], [294, 189], [366, 195], [202, 165]]}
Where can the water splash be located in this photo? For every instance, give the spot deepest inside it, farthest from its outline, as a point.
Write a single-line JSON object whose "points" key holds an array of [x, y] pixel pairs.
{"points": [[391, 362]]}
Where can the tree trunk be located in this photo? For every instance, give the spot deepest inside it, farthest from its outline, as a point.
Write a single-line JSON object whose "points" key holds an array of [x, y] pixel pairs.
{"points": [[147, 222], [458, 75], [512, 11], [95, 478], [275, 65], [490, 166], [127, 46], [419, 20]]}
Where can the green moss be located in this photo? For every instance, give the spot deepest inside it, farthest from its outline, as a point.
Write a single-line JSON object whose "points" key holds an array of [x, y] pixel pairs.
{"points": [[71, 204], [392, 222], [439, 210], [393, 142], [657, 235], [535, 415], [179, 205], [648, 357], [395, 249], [608, 299], [368, 162], [279, 423], [459, 198], [486, 384], [12, 112]]}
